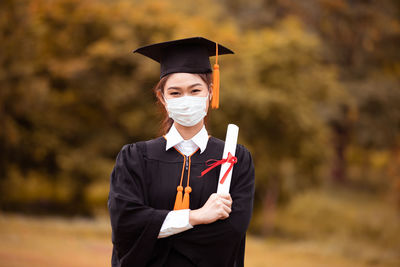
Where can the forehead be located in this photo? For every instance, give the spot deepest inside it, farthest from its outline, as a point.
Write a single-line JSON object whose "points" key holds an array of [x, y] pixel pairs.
{"points": [[183, 80]]}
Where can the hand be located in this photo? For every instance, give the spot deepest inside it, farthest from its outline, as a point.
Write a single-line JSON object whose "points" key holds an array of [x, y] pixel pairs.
{"points": [[217, 207]]}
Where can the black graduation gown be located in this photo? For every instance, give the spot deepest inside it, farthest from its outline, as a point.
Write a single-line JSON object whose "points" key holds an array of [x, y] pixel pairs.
{"points": [[143, 190]]}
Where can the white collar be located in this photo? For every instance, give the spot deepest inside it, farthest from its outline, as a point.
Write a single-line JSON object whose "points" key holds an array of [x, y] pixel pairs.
{"points": [[174, 137]]}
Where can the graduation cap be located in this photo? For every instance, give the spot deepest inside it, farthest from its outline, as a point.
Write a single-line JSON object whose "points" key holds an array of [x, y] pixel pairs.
{"points": [[189, 55]]}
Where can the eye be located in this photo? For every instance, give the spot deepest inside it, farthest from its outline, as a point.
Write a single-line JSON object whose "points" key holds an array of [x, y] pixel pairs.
{"points": [[195, 91], [174, 93]]}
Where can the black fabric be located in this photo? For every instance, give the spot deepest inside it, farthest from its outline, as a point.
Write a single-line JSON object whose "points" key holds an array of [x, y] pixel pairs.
{"points": [[142, 192], [190, 55]]}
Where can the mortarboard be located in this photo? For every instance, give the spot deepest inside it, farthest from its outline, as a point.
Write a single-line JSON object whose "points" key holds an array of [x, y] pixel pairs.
{"points": [[189, 55]]}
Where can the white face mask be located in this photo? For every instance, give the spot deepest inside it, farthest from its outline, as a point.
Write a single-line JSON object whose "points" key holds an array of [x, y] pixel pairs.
{"points": [[187, 110]]}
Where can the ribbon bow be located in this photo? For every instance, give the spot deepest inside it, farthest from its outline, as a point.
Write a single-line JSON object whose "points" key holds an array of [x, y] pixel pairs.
{"points": [[230, 159]]}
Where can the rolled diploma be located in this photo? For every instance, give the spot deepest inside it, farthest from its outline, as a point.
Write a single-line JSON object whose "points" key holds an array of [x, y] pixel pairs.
{"points": [[230, 146]]}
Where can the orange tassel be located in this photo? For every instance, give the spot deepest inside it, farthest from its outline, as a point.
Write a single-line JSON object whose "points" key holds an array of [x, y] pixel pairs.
{"points": [[215, 99], [178, 200], [185, 202]]}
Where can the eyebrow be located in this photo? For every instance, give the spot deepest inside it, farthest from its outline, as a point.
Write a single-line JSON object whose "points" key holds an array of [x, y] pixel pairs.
{"points": [[190, 86]]}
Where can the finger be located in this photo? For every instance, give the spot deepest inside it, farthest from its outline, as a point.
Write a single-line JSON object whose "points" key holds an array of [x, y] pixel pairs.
{"points": [[227, 209], [225, 195], [226, 202], [219, 203], [213, 196], [224, 215]]}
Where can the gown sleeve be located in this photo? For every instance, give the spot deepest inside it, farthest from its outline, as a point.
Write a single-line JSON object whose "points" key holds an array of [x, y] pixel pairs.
{"points": [[176, 222], [214, 244], [135, 225]]}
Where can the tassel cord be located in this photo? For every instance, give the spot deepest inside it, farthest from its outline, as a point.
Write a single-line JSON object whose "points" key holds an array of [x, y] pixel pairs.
{"points": [[184, 202], [216, 81], [188, 189], [178, 199]]}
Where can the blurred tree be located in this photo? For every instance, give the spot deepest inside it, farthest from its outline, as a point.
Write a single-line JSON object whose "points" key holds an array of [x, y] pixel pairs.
{"points": [[281, 93], [341, 131], [360, 38], [68, 99], [72, 93]]}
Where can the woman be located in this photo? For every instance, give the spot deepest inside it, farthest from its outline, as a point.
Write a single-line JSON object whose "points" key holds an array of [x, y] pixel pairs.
{"points": [[162, 212]]}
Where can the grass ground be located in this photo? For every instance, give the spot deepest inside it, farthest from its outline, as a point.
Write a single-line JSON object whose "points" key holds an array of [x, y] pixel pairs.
{"points": [[38, 242], [331, 228]]}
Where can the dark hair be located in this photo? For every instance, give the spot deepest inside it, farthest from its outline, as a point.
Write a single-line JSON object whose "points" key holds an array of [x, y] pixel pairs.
{"points": [[167, 122]]}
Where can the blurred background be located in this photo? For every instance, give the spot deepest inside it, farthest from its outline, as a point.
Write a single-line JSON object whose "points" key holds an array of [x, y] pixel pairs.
{"points": [[314, 87]]}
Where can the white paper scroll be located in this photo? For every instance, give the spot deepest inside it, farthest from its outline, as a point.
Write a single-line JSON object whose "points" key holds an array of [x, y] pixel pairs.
{"points": [[230, 146]]}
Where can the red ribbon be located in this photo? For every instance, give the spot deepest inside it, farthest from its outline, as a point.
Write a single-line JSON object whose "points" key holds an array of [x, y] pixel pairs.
{"points": [[230, 159]]}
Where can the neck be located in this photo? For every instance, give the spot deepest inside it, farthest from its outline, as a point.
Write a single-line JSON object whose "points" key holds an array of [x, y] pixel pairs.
{"points": [[188, 132]]}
